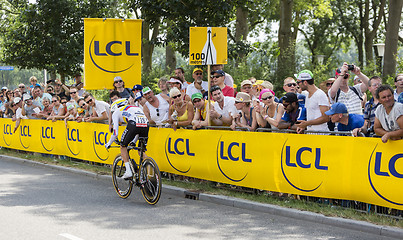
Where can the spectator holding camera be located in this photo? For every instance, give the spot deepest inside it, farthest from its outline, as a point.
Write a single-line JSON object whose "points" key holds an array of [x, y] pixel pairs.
{"points": [[351, 96], [388, 116]]}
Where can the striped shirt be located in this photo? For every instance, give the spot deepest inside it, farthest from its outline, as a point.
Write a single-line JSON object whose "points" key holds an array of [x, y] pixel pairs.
{"points": [[369, 111], [351, 99]]}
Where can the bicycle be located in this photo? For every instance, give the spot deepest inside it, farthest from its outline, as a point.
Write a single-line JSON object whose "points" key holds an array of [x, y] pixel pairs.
{"points": [[146, 175]]}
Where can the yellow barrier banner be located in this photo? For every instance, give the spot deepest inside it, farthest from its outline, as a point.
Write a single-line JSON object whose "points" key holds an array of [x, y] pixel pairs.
{"points": [[112, 47], [339, 167]]}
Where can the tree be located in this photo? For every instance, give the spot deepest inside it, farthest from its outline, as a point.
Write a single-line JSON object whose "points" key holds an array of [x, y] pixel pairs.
{"points": [[392, 37], [49, 34]]}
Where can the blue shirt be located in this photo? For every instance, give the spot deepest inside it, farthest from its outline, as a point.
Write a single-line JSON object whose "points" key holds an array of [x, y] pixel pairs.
{"points": [[354, 121], [293, 118], [301, 99], [400, 98]]}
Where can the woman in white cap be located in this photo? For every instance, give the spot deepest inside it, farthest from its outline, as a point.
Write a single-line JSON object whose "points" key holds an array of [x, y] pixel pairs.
{"points": [[181, 113], [247, 116]]}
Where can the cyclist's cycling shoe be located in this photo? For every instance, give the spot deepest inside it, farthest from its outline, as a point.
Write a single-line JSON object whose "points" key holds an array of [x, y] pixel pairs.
{"points": [[127, 175]]}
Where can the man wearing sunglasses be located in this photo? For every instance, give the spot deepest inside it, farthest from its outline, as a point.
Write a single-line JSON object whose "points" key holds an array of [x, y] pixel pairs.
{"points": [[156, 108], [217, 79], [291, 86], [293, 112], [198, 85], [200, 116], [100, 109]]}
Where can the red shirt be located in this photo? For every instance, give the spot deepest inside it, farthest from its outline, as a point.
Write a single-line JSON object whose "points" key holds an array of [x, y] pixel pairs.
{"points": [[228, 91]]}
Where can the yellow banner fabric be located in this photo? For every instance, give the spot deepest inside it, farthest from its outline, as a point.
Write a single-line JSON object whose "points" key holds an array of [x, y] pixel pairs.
{"points": [[361, 169], [112, 47]]}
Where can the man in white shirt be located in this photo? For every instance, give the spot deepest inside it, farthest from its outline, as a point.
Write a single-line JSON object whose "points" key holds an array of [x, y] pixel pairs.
{"points": [[198, 85], [100, 109], [18, 104], [316, 104], [224, 108]]}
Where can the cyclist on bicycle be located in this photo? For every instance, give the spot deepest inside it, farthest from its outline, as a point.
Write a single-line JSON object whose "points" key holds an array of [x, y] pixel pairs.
{"points": [[137, 123]]}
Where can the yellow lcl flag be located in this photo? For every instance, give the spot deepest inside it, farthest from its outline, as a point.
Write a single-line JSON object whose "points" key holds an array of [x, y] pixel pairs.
{"points": [[112, 47]]}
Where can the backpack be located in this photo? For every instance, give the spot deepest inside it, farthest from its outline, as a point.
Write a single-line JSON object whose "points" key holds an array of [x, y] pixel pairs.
{"points": [[352, 89]]}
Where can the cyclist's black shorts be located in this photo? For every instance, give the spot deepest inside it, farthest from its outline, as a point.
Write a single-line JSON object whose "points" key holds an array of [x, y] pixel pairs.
{"points": [[131, 131]]}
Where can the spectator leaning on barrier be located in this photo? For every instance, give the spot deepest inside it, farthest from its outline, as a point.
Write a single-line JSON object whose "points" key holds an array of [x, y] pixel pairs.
{"points": [[346, 122], [228, 80], [30, 109], [181, 113], [399, 86], [58, 111], [156, 107], [316, 104], [200, 116], [18, 107], [100, 109], [224, 108], [350, 96], [198, 85], [370, 106], [38, 96], [268, 115], [388, 116], [86, 109], [47, 109], [217, 79], [293, 112], [74, 97], [247, 116]]}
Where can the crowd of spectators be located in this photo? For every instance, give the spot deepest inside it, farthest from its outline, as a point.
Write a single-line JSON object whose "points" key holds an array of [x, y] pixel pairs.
{"points": [[333, 105]]}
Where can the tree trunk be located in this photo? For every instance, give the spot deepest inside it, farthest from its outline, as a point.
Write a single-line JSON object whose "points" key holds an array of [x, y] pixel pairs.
{"points": [[371, 34], [147, 44], [392, 37], [241, 30], [286, 41], [170, 57]]}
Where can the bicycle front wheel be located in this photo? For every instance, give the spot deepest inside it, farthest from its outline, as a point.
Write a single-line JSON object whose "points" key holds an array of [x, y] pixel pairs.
{"points": [[150, 180], [122, 187]]}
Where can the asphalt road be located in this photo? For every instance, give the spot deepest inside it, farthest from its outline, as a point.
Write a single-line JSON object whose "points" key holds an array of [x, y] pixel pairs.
{"points": [[38, 202]]}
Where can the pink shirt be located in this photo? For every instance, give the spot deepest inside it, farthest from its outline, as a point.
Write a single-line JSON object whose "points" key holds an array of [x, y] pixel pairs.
{"points": [[228, 91]]}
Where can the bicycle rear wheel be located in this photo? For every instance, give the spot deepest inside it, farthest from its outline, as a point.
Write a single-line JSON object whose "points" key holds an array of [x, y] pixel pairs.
{"points": [[122, 187], [150, 180]]}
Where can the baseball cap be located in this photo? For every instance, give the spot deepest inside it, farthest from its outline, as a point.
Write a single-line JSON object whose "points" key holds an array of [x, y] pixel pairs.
{"points": [[221, 72], [304, 75], [17, 100], [290, 97], [246, 82], [197, 69], [242, 97], [138, 96], [174, 80], [117, 78], [258, 82], [196, 95], [4, 88], [137, 87], [26, 97], [146, 90], [337, 108]]}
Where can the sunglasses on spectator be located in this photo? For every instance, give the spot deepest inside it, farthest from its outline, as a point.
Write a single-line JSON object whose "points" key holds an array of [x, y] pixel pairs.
{"points": [[21, 87], [291, 85], [88, 102], [54, 101], [198, 74], [119, 81], [73, 92], [376, 85], [217, 76], [329, 84], [82, 105], [63, 102], [175, 97], [158, 112], [269, 97], [196, 100], [285, 104]]}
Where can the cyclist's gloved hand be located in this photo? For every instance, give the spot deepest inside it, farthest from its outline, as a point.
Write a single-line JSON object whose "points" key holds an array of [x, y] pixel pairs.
{"points": [[107, 145]]}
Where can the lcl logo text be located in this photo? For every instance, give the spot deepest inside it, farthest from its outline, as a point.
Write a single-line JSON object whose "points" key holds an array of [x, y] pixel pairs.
{"points": [[299, 160], [228, 154], [391, 165], [109, 46], [100, 138], [73, 135], [180, 146], [25, 131], [7, 129], [47, 132]]}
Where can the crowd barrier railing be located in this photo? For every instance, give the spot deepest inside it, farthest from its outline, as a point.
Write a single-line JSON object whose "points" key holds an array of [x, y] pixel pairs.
{"points": [[338, 167]]}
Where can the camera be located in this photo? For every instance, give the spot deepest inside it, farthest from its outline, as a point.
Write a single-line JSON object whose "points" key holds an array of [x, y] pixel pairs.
{"points": [[351, 67], [50, 81]]}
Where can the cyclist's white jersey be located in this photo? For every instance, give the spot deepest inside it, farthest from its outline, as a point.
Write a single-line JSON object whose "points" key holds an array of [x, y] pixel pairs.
{"points": [[124, 115]]}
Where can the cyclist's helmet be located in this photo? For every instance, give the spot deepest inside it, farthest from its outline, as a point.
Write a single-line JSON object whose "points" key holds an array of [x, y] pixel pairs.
{"points": [[118, 104]]}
